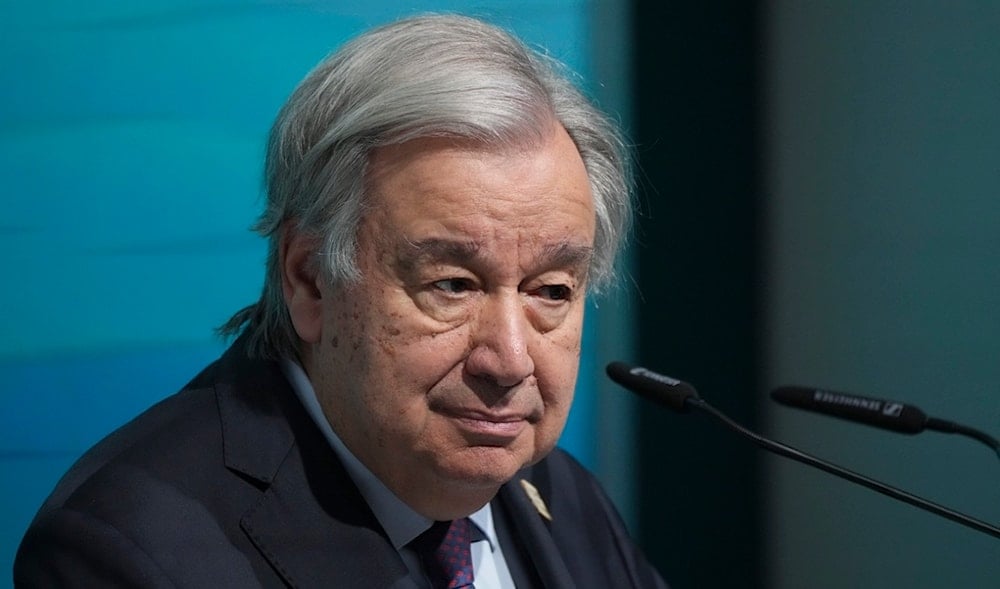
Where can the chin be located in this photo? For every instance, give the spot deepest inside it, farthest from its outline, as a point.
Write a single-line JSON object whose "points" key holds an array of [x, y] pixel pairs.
{"points": [[486, 466]]}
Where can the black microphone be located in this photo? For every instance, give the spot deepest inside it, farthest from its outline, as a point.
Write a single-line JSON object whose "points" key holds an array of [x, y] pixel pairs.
{"points": [[890, 415], [877, 412], [658, 388], [682, 397]]}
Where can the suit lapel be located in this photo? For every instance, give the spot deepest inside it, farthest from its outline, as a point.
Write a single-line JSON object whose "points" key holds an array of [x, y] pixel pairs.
{"points": [[310, 521], [523, 526], [316, 530]]}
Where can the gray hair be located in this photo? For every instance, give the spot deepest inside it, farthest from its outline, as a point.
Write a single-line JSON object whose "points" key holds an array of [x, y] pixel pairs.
{"points": [[427, 76]]}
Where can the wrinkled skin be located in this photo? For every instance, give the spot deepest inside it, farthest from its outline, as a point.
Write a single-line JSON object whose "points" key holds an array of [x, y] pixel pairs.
{"points": [[451, 363]]}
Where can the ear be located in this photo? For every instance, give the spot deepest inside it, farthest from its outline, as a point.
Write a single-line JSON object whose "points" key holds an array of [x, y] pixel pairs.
{"points": [[300, 283]]}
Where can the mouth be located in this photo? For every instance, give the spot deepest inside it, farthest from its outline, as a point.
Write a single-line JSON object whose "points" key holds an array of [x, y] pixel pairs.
{"points": [[484, 428]]}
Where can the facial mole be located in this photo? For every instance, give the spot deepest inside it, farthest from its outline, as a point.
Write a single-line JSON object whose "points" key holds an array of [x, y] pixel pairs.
{"points": [[334, 342], [387, 346]]}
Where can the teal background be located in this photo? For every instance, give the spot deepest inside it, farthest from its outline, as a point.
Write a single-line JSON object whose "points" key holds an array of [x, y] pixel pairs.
{"points": [[821, 208], [882, 134], [131, 142]]}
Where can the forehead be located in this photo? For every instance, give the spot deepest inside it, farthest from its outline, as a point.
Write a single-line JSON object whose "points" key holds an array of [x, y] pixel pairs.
{"points": [[521, 185]]}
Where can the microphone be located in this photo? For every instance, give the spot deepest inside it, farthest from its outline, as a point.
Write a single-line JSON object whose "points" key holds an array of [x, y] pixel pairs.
{"points": [[658, 388], [682, 397], [877, 412], [890, 415]]}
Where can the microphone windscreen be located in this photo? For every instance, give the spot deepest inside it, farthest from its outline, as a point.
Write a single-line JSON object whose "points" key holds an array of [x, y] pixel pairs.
{"points": [[656, 387], [875, 412]]}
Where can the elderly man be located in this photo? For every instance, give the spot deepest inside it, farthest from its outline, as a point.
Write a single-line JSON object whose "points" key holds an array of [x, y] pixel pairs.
{"points": [[440, 201]]}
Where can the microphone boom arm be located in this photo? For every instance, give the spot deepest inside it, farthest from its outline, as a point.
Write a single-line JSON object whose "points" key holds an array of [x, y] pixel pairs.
{"points": [[799, 456]]}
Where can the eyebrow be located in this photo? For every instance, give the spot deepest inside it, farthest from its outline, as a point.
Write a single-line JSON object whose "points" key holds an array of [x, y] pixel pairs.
{"points": [[439, 250]]}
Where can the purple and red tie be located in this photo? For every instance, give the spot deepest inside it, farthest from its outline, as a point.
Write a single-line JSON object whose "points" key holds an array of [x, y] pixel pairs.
{"points": [[446, 551]]}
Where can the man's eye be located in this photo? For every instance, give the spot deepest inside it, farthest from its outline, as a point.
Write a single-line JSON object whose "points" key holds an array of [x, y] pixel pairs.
{"points": [[556, 292], [453, 286]]}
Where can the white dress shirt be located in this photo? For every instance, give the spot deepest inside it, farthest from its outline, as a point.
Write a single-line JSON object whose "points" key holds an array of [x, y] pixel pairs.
{"points": [[401, 523]]}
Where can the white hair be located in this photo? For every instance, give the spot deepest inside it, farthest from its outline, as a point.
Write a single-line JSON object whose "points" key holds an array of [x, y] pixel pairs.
{"points": [[427, 76]]}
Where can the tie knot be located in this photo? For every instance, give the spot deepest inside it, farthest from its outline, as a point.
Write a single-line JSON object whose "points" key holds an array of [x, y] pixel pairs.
{"points": [[446, 551]]}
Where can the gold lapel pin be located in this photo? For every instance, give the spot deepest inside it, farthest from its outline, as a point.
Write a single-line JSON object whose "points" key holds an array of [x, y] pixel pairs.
{"points": [[536, 499]]}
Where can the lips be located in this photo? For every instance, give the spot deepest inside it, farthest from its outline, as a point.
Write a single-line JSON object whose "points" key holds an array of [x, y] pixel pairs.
{"points": [[488, 428]]}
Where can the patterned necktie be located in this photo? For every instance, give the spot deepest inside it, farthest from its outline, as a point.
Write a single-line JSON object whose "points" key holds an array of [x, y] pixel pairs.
{"points": [[446, 551]]}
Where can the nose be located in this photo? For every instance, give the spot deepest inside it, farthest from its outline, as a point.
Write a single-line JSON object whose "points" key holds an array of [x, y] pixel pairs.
{"points": [[500, 342]]}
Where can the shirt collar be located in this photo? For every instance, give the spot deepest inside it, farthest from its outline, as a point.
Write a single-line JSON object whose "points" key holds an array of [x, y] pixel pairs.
{"points": [[401, 523]]}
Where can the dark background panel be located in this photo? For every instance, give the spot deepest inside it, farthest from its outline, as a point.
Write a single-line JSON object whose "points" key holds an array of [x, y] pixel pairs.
{"points": [[696, 115]]}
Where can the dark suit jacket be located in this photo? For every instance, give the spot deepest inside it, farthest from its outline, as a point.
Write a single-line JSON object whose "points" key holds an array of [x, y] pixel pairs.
{"points": [[229, 483]]}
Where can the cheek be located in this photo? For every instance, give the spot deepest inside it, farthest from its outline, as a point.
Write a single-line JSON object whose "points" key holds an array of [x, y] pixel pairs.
{"points": [[387, 335], [566, 342], [419, 362], [403, 358], [345, 332], [369, 321], [557, 396], [556, 370], [557, 361], [362, 340], [406, 344]]}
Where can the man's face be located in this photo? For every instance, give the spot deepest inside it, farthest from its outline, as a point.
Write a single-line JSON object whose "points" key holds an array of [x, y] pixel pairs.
{"points": [[451, 363]]}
